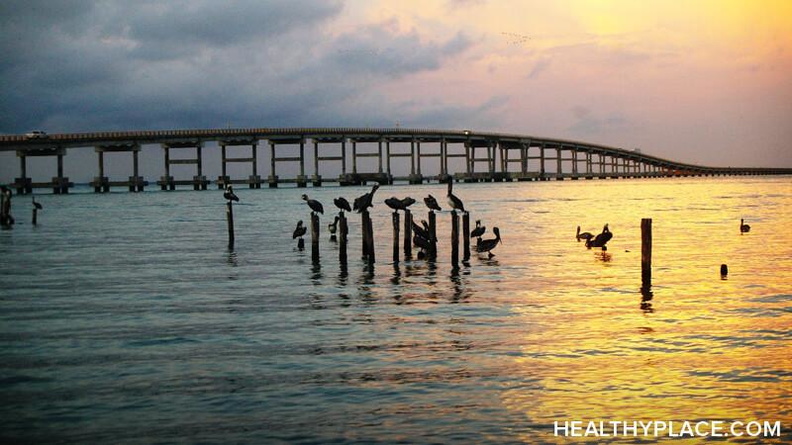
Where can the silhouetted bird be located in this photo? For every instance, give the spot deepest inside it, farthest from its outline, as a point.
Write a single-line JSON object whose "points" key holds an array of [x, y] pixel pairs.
{"points": [[299, 232], [365, 201], [488, 244], [421, 242], [229, 194], [407, 202], [342, 204], [395, 203], [431, 202], [601, 239], [744, 228], [453, 201], [423, 232], [585, 235], [35, 204], [315, 205], [478, 232]]}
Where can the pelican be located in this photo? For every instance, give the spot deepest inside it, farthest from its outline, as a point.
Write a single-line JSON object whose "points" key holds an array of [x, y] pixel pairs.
{"points": [[300, 230], [453, 200], [478, 231], [315, 205], [585, 235], [422, 232], [333, 226], [601, 239], [229, 194], [488, 244], [395, 203], [431, 202], [421, 242], [35, 204], [407, 202], [365, 201], [342, 204], [744, 228]]}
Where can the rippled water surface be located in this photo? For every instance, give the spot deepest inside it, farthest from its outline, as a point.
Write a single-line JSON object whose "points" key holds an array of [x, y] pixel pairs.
{"points": [[124, 318]]}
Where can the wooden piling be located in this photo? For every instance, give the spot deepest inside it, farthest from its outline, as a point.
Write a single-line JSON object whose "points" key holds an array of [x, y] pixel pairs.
{"points": [[454, 240], [646, 252], [35, 216], [342, 245], [314, 237], [408, 220], [368, 237], [432, 254], [395, 237], [230, 219], [466, 236]]}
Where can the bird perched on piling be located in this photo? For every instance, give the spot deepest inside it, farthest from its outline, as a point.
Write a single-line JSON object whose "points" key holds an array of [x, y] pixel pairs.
{"points": [[601, 239], [395, 203], [478, 232], [299, 232], [36, 205], [365, 201], [583, 236], [488, 244], [422, 232], [315, 205], [342, 203], [453, 200], [407, 202], [431, 202], [744, 228], [229, 194]]}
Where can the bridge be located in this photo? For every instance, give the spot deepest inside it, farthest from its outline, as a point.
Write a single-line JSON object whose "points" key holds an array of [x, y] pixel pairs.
{"points": [[486, 157]]}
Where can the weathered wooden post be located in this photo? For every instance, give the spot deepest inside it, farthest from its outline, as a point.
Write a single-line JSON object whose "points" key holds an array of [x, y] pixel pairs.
{"points": [[368, 237], [342, 245], [408, 221], [646, 252], [466, 235], [314, 237], [230, 219], [454, 240], [396, 237], [432, 254], [35, 216]]}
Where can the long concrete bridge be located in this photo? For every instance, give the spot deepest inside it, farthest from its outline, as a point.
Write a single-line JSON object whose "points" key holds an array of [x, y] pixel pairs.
{"points": [[487, 157]]}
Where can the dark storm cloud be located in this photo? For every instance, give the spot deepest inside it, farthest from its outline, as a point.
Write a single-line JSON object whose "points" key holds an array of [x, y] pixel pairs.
{"points": [[86, 65]]}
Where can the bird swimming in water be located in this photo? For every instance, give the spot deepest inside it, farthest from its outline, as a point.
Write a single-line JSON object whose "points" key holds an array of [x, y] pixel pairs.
{"points": [[333, 226], [585, 235], [300, 230], [315, 205], [229, 194], [365, 201], [342, 204], [601, 239], [453, 200], [478, 232], [744, 228], [488, 244], [36, 204], [431, 202]]}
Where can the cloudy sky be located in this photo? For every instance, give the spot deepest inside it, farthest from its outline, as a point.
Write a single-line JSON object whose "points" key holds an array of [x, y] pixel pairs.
{"points": [[707, 82]]}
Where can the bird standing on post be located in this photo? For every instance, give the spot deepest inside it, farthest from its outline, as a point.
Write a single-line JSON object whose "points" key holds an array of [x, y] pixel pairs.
{"points": [[488, 244], [365, 201], [36, 204], [453, 200], [315, 205], [431, 202], [395, 203], [342, 203], [300, 230], [601, 239], [229, 194]]}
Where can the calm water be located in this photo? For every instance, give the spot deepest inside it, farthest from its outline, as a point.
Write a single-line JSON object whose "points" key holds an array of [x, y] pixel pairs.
{"points": [[124, 318]]}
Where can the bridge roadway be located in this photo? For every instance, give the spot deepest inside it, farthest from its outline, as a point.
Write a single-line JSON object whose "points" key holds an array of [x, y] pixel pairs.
{"points": [[537, 158]]}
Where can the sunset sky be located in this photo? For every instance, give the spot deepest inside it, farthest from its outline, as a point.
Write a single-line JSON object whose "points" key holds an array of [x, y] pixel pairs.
{"points": [[706, 82]]}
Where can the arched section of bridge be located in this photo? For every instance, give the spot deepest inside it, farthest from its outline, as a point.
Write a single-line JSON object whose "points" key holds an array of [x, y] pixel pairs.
{"points": [[383, 155]]}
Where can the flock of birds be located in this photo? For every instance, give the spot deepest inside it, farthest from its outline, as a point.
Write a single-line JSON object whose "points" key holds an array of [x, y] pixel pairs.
{"points": [[422, 237]]}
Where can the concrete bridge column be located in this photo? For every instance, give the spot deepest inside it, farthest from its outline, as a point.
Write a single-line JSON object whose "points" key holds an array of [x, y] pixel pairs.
{"points": [[273, 177], [542, 172], [379, 155]]}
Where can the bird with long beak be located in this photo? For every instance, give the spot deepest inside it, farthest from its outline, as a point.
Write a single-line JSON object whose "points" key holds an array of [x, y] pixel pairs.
{"points": [[315, 205], [229, 194], [488, 244], [453, 200]]}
